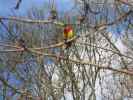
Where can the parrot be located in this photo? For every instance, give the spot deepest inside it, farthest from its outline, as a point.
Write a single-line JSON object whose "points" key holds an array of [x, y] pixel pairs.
{"points": [[68, 34]]}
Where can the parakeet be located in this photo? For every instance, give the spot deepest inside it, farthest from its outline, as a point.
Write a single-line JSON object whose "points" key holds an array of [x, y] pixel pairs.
{"points": [[68, 34]]}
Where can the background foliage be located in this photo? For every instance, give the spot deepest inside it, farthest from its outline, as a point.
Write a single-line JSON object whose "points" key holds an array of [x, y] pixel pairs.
{"points": [[98, 65]]}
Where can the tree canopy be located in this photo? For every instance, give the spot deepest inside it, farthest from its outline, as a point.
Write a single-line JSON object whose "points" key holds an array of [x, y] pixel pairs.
{"points": [[35, 65]]}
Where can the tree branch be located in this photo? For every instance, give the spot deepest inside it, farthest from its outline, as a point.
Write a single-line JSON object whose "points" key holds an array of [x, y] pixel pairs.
{"points": [[31, 21], [6, 83], [85, 62]]}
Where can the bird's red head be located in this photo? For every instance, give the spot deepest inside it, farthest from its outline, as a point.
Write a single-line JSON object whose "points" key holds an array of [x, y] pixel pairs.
{"points": [[67, 29]]}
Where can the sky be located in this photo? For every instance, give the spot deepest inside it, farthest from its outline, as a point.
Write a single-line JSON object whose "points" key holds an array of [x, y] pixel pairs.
{"points": [[8, 6]]}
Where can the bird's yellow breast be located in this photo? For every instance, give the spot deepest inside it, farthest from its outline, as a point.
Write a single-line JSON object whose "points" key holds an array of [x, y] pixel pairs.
{"points": [[70, 34]]}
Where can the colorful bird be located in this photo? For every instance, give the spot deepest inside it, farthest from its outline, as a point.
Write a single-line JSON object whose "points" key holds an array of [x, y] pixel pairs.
{"points": [[68, 34]]}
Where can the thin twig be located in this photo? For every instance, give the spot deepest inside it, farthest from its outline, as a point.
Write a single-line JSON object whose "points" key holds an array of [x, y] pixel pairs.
{"points": [[116, 52], [115, 21], [56, 45], [12, 50], [31, 21], [6, 83], [9, 45], [126, 3], [24, 20]]}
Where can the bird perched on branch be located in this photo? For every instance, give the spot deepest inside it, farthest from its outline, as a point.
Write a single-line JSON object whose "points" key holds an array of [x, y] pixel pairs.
{"points": [[68, 34]]}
